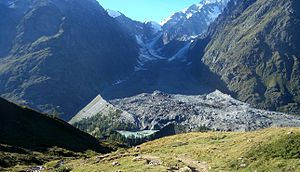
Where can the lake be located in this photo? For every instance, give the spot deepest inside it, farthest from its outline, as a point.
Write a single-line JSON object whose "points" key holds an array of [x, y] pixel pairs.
{"points": [[137, 134]]}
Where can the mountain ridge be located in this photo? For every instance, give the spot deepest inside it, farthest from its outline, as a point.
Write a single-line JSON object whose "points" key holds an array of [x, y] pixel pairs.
{"points": [[258, 64], [48, 64]]}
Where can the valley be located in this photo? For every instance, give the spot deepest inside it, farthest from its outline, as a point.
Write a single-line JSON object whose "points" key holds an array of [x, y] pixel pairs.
{"points": [[158, 75], [213, 87]]}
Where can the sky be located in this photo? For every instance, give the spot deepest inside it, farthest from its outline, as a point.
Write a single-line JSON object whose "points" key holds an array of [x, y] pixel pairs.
{"points": [[147, 10]]}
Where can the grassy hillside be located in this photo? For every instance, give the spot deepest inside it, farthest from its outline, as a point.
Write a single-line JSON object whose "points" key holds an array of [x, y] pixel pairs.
{"points": [[273, 149], [28, 129]]}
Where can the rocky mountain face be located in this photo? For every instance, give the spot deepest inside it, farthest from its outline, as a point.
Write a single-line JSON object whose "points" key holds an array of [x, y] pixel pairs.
{"points": [[101, 119], [182, 27], [144, 32], [171, 38], [254, 49], [99, 105], [55, 55], [192, 21], [22, 127]]}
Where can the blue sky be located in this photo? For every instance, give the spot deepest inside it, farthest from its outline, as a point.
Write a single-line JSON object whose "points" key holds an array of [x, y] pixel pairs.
{"points": [[147, 10]]}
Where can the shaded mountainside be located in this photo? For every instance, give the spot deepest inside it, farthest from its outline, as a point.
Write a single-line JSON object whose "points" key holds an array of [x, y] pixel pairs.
{"points": [[29, 129], [138, 30], [55, 55], [254, 48], [162, 75]]}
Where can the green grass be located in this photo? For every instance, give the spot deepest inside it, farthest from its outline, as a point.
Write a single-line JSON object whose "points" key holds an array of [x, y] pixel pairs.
{"points": [[273, 149]]}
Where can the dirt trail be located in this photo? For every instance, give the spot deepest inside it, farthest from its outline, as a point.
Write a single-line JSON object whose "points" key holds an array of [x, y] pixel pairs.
{"points": [[197, 166]]}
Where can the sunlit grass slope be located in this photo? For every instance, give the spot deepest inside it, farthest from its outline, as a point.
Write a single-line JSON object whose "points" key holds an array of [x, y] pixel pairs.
{"points": [[273, 149]]}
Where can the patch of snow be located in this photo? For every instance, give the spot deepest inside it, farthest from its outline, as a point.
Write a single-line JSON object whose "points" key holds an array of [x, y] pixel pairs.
{"points": [[119, 82], [197, 8], [189, 15], [139, 40], [12, 5], [214, 13], [166, 20], [139, 68], [155, 26], [113, 13], [147, 52]]}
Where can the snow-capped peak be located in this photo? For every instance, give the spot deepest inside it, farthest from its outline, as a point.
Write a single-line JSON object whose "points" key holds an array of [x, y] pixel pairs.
{"points": [[166, 20], [113, 13], [195, 8], [214, 1]]}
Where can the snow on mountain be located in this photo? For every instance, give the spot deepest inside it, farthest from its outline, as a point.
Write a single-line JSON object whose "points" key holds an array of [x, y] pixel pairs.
{"points": [[113, 13], [211, 7], [147, 51], [184, 26], [171, 39], [155, 26]]}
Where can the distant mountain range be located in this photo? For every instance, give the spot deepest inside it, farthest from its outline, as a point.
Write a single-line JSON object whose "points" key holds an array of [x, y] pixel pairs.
{"points": [[218, 65], [57, 55]]}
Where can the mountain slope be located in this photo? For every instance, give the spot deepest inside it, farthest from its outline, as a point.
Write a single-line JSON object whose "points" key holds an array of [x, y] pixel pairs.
{"points": [[28, 129], [274, 149], [99, 118], [254, 48], [55, 55]]}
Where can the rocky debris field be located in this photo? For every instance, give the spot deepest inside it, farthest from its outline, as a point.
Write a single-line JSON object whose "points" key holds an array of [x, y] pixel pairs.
{"points": [[214, 111]]}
